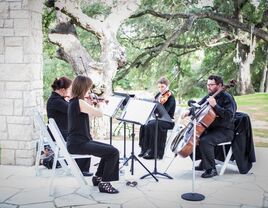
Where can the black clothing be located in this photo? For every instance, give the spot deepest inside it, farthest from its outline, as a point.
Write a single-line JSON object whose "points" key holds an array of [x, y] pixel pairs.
{"points": [[78, 128], [221, 129], [79, 141], [242, 144], [57, 108], [147, 132]]}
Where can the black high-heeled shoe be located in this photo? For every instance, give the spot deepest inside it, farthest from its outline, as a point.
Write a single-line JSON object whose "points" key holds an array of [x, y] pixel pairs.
{"points": [[96, 180], [106, 187]]}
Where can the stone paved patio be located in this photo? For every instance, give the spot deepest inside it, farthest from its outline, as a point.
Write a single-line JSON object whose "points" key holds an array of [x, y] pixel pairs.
{"points": [[19, 187]]}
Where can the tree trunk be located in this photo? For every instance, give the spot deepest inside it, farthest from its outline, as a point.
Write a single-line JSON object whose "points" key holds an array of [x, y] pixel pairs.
{"points": [[264, 80], [112, 56], [266, 83], [245, 86]]}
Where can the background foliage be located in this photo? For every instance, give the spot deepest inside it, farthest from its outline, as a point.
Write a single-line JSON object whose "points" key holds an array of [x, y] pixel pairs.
{"points": [[186, 65]]}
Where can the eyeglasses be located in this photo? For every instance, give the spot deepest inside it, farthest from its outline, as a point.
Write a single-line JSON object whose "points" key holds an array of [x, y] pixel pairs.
{"points": [[209, 85]]}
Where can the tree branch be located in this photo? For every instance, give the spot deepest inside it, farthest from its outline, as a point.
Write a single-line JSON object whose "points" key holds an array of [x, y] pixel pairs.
{"points": [[74, 53], [211, 15], [122, 11], [92, 25]]}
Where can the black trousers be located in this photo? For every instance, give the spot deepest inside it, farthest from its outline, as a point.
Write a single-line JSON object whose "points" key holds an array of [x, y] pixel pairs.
{"points": [[108, 168], [83, 164], [208, 141], [147, 136]]}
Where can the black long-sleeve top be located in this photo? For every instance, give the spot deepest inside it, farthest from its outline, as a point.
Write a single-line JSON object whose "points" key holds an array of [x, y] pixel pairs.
{"points": [[225, 110], [169, 105], [57, 108]]}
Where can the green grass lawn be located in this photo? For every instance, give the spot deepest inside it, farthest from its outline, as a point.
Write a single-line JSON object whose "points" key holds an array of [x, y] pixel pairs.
{"points": [[256, 105]]}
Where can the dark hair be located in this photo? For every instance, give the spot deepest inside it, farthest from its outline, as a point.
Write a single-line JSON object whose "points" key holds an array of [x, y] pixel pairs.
{"points": [[61, 83], [217, 79], [163, 80], [81, 85]]}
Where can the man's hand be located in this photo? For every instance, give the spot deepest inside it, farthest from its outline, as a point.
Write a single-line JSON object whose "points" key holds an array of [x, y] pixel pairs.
{"points": [[185, 114], [211, 100]]}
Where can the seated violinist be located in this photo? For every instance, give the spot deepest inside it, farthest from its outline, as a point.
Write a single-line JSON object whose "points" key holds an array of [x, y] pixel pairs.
{"points": [[220, 130], [147, 132]]}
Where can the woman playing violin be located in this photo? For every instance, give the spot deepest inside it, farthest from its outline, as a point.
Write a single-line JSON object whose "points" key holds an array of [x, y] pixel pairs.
{"points": [[57, 108], [147, 132], [79, 140], [57, 104]]}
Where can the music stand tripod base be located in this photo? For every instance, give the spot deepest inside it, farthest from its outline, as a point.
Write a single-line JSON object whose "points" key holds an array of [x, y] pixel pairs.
{"points": [[193, 196], [155, 172]]}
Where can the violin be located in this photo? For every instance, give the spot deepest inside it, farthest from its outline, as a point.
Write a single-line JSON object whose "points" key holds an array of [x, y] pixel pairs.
{"points": [[164, 97], [95, 99]]}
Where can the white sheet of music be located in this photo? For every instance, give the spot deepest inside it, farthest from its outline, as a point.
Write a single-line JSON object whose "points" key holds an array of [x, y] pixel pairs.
{"points": [[114, 103], [138, 111]]}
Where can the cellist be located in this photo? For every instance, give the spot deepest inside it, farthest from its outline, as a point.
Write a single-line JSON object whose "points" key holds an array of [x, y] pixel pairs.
{"points": [[221, 129], [147, 132]]}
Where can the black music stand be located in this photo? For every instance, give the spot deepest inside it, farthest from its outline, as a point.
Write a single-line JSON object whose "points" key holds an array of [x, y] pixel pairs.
{"points": [[111, 109], [160, 113], [127, 97], [137, 112], [193, 196]]}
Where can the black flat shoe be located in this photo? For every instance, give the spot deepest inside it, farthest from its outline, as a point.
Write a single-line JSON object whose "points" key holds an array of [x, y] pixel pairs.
{"points": [[87, 174], [142, 153], [160, 157], [107, 188], [148, 157], [209, 173], [96, 180], [198, 168]]}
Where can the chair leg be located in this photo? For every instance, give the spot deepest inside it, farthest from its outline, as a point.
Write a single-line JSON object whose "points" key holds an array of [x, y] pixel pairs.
{"points": [[51, 190], [38, 155], [226, 161], [78, 174]]}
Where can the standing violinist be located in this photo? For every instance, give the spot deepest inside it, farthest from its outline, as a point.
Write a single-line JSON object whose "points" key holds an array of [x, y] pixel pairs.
{"points": [[147, 132], [221, 129]]}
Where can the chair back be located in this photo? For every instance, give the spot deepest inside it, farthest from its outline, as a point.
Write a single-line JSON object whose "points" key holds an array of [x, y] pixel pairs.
{"points": [[43, 127], [58, 136]]}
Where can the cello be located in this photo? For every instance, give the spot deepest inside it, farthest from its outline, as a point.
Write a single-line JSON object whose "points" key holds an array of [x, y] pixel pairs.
{"points": [[205, 115]]}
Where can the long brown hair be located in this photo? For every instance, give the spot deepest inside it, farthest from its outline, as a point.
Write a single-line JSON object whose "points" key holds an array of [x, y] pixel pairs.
{"points": [[80, 86]]}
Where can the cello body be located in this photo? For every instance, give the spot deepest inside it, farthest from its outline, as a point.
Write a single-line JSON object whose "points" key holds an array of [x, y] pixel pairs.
{"points": [[183, 142]]}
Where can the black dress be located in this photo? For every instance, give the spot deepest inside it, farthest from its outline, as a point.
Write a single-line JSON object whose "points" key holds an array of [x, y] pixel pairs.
{"points": [[147, 132], [79, 141], [57, 108]]}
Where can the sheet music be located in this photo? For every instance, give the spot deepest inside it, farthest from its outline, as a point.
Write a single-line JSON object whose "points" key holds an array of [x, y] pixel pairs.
{"points": [[137, 111], [114, 103]]}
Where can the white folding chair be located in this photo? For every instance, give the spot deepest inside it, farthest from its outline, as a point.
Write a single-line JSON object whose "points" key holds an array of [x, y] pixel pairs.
{"points": [[61, 149], [44, 139], [171, 133], [227, 157]]}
